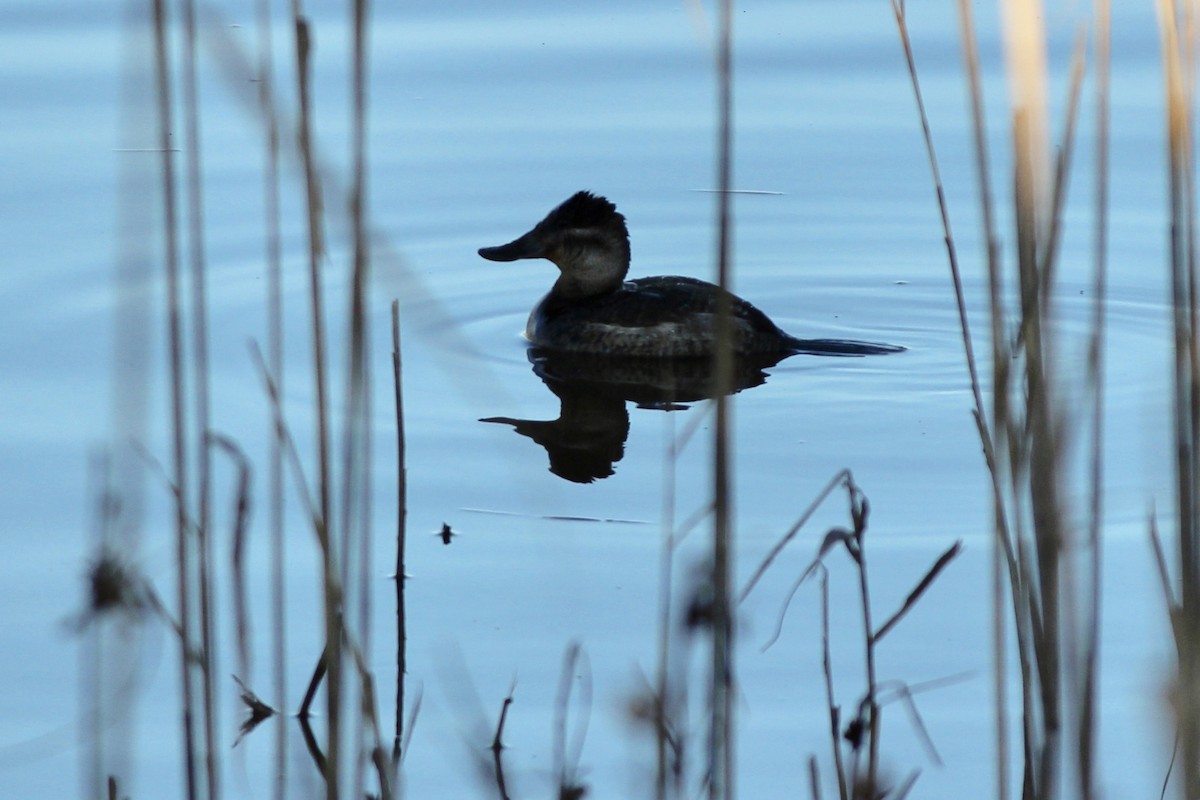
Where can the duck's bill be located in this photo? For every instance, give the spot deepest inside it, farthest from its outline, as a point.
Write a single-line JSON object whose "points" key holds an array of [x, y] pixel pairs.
{"points": [[525, 247]]}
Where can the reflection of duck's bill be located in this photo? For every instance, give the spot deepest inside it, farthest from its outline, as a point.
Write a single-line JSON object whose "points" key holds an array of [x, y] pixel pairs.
{"points": [[526, 246], [840, 347]]}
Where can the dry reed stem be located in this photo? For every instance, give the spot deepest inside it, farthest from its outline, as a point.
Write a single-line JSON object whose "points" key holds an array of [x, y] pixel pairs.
{"points": [[238, 540], [284, 436], [566, 763], [332, 590], [385, 770], [401, 538], [835, 712], [355, 528], [664, 693], [275, 362], [1002, 549], [1029, 461], [837, 480], [1089, 688], [180, 478], [201, 392], [922, 585], [1178, 52], [721, 730], [194, 542], [866, 722], [814, 778], [497, 747]]}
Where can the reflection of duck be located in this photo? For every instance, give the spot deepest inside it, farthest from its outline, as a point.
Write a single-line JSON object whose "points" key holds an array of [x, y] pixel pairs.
{"points": [[593, 309], [662, 383], [588, 437]]}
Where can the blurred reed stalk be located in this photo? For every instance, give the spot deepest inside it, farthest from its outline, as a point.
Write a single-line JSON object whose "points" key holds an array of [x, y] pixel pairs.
{"points": [[1178, 30], [721, 725], [201, 394], [356, 436], [189, 476], [1039, 540], [275, 361], [179, 450], [331, 661]]}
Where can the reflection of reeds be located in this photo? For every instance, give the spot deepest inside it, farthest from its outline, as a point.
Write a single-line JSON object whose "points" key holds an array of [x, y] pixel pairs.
{"points": [[1054, 605]]}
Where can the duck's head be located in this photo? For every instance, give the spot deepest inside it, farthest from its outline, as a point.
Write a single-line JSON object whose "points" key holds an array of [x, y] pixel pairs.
{"points": [[585, 237]]}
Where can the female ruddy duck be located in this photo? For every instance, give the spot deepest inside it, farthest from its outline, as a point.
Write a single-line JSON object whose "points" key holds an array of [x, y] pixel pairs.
{"points": [[593, 309]]}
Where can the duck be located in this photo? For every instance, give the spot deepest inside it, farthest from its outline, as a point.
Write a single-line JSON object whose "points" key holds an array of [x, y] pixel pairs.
{"points": [[593, 309]]}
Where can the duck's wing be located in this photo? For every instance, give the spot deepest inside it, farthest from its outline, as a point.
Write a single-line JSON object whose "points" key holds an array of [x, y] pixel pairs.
{"points": [[677, 299]]}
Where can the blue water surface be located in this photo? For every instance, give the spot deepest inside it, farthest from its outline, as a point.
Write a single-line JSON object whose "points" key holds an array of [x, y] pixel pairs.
{"points": [[482, 118]]}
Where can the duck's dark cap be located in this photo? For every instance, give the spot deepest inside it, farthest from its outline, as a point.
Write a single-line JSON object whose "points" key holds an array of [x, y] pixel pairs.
{"points": [[582, 210]]}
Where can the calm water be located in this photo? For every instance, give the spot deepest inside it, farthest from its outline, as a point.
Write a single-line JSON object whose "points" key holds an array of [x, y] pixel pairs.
{"points": [[482, 121]]}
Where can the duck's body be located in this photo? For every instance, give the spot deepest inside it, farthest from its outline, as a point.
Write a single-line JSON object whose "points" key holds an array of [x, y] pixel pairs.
{"points": [[662, 317], [593, 309]]}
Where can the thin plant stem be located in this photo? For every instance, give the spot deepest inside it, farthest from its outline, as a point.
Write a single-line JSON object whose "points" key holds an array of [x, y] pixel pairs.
{"points": [[1002, 550], [835, 724], [1089, 719], [195, 193], [664, 702], [180, 478], [1178, 55], [721, 758], [401, 538], [898, 9], [870, 640], [356, 444], [275, 502], [837, 480], [332, 584]]}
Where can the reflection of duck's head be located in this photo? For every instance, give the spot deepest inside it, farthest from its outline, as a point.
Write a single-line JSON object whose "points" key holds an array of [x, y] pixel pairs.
{"points": [[587, 240]]}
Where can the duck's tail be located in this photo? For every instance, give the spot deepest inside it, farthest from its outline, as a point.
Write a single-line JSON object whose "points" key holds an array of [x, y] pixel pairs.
{"points": [[841, 347]]}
